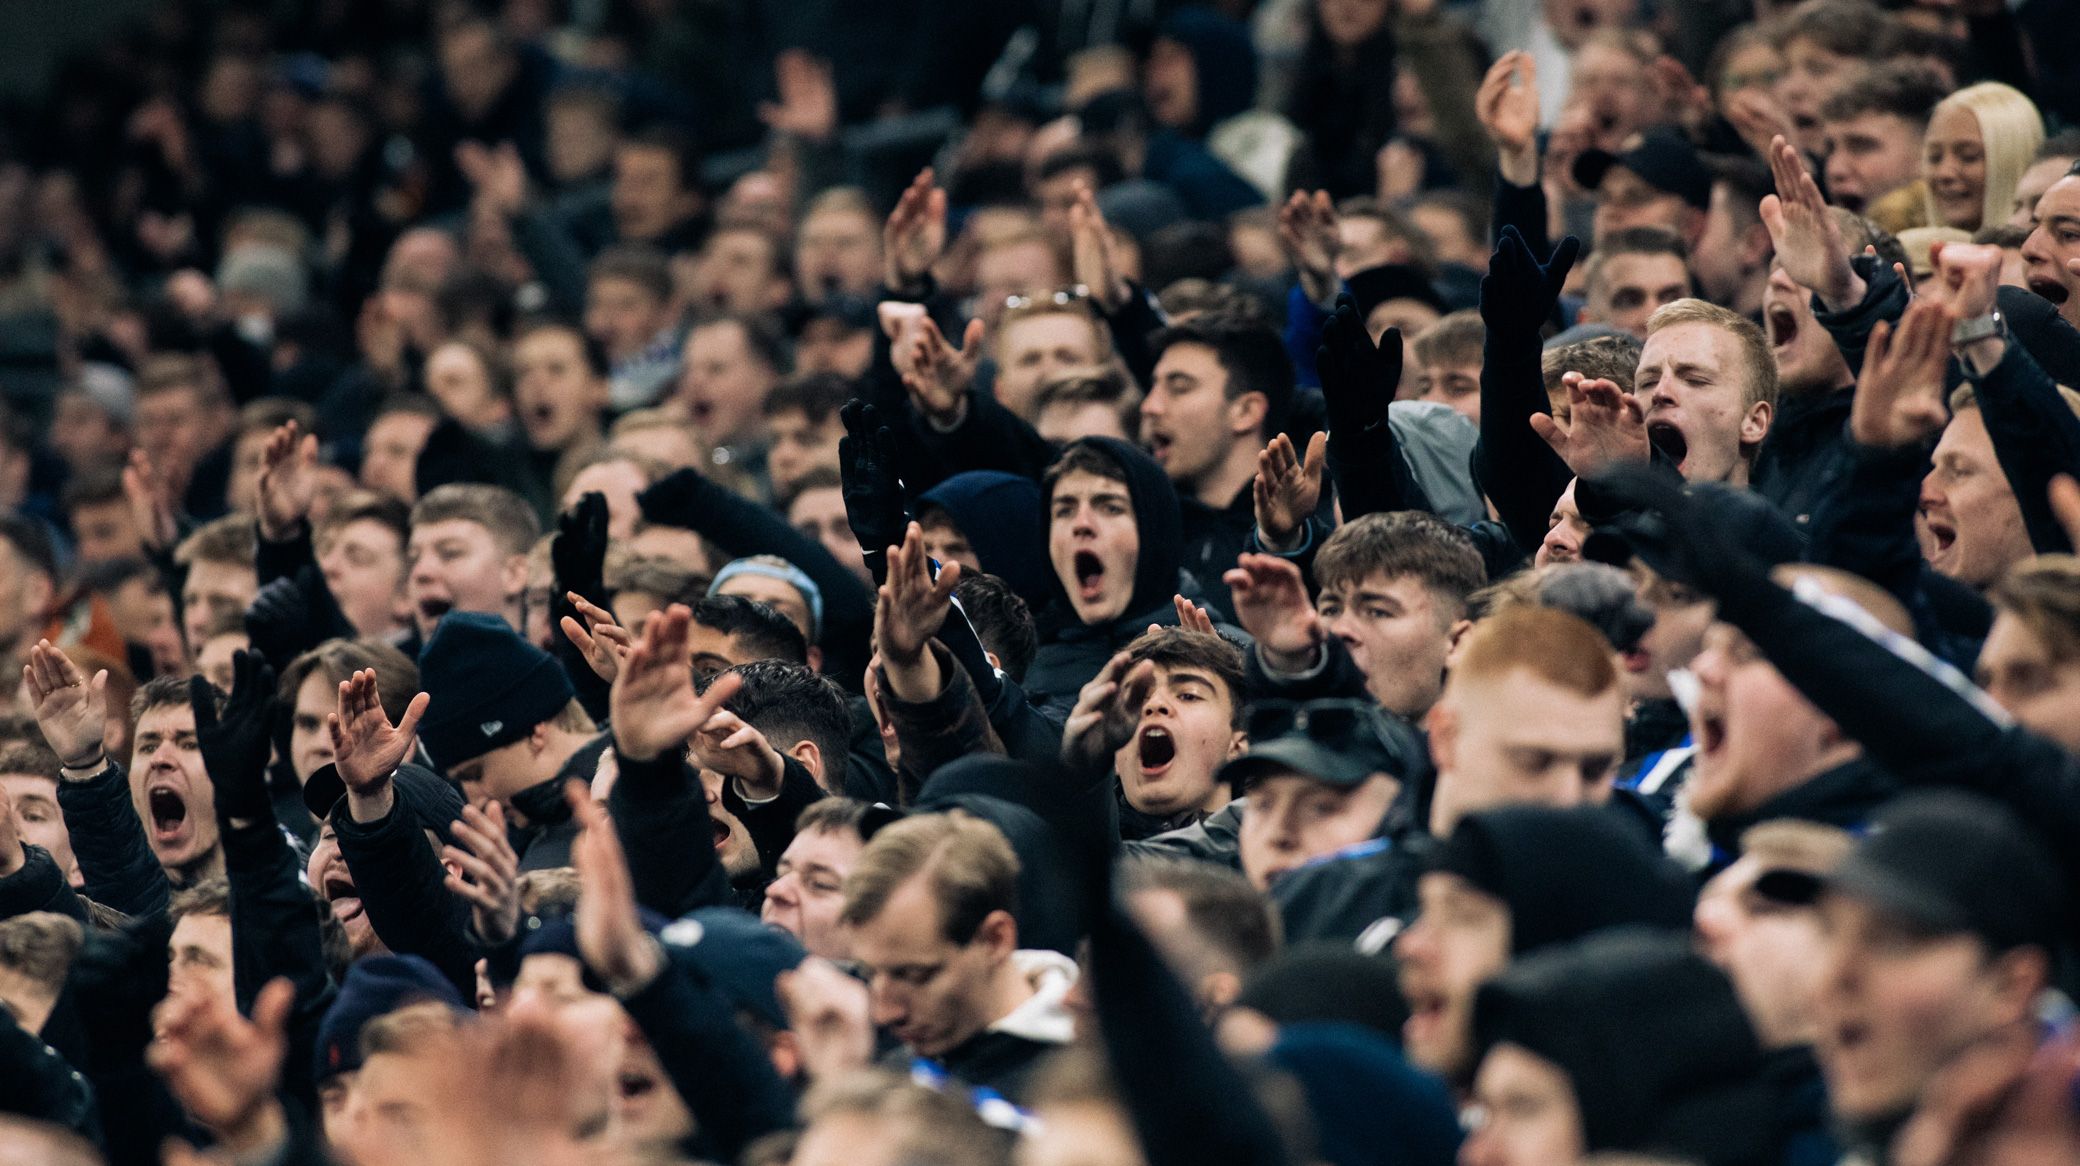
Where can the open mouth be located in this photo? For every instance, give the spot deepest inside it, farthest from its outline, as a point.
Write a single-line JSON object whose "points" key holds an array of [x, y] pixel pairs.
{"points": [[431, 610], [169, 810], [341, 896], [1782, 323], [2050, 289], [636, 1085], [1669, 440], [721, 835], [1711, 734], [1159, 446], [1090, 575], [701, 410], [1158, 750], [1942, 535]]}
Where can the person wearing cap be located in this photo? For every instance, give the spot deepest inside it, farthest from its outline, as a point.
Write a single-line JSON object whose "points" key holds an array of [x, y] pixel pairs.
{"points": [[1942, 928], [1657, 180], [374, 987], [1512, 881], [782, 586]]}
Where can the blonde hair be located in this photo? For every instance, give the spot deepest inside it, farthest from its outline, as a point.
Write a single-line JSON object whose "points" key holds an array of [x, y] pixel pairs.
{"points": [[971, 870], [2011, 131], [412, 1029], [2044, 593], [1762, 364]]}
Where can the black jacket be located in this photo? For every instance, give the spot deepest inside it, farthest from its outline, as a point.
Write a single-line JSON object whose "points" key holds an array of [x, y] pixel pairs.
{"points": [[109, 843], [39, 886], [275, 932], [403, 888], [1845, 796], [545, 842], [662, 814], [1806, 438]]}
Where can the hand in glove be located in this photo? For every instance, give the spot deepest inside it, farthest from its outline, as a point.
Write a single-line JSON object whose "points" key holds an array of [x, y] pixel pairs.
{"points": [[579, 554], [670, 501], [873, 495], [294, 614], [1519, 293], [235, 745], [1359, 378], [1684, 534]]}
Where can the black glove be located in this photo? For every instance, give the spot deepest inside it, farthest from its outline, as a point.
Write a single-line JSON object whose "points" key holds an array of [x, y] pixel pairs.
{"points": [[1519, 293], [579, 554], [294, 614], [1682, 534], [670, 500], [873, 493], [1359, 378], [235, 747]]}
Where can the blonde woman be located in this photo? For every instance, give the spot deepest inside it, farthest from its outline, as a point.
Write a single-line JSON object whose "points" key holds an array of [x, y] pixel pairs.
{"points": [[1980, 139]]}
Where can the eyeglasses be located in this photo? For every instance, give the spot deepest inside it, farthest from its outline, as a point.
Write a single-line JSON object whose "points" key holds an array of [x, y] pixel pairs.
{"points": [[1057, 299], [1332, 722]]}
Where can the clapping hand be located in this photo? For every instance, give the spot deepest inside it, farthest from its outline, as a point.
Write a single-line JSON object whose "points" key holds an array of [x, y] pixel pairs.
{"points": [[1307, 228], [914, 237], [366, 747], [288, 483]]}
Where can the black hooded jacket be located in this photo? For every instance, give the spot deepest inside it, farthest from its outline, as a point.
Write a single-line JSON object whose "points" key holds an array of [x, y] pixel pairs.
{"points": [[1845, 796], [1071, 651]]}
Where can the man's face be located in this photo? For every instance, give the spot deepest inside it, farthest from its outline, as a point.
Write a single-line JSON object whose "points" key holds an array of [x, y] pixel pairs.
{"points": [[1605, 79], [364, 567], [2019, 671], [1293, 819], [1188, 423], [734, 848], [2041, 176], [1460, 938], [1625, 200], [808, 890], [1062, 422], [1457, 385], [198, 958], [1971, 527], [1186, 732], [2053, 240], [173, 427], [1730, 247], [647, 197], [84, 434], [820, 514], [778, 594], [1398, 633], [1768, 948], [33, 798], [1366, 242], [945, 542], [738, 272], [723, 384], [1036, 348], [1812, 75], [931, 993], [1807, 358], [1870, 156], [1896, 1004], [831, 345], [558, 397], [390, 454], [593, 1029], [1094, 543], [1520, 739], [800, 445], [105, 531], [505, 771], [1056, 194], [328, 875], [310, 743], [214, 591], [1532, 1116], [457, 378], [623, 316], [1565, 532], [1756, 736], [1680, 620], [242, 488], [1020, 267], [456, 565], [1692, 382], [144, 615], [837, 251], [1170, 85], [171, 791], [1630, 287]]}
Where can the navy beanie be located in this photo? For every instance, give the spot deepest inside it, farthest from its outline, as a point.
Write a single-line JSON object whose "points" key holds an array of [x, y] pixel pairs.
{"points": [[489, 687], [375, 986]]}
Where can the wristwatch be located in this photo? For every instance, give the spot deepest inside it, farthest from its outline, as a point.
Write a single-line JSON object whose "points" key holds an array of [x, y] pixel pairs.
{"points": [[1979, 328]]}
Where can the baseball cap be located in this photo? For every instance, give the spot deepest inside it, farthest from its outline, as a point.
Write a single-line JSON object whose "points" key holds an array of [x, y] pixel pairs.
{"points": [[1663, 159], [1341, 742], [738, 953], [1955, 863]]}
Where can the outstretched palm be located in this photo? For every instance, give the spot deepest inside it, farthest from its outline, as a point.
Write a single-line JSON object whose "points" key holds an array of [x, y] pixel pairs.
{"points": [[653, 704], [366, 747]]}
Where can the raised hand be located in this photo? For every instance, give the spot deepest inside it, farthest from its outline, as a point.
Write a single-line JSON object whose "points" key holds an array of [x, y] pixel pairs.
{"points": [[1359, 378], [1106, 712], [578, 556], [734, 749], [235, 746], [1271, 604], [221, 1067], [485, 871], [1507, 104], [1968, 277], [808, 105], [71, 710], [151, 501], [1899, 395], [1190, 616], [1606, 427], [914, 237], [1288, 488], [610, 933], [366, 747], [939, 374], [1307, 227], [604, 642], [911, 606], [829, 1014], [288, 482], [1519, 292], [1759, 119], [497, 174], [1807, 240], [653, 707], [1094, 255], [867, 470]]}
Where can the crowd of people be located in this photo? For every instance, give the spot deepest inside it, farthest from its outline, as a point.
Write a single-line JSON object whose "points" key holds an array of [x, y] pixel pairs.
{"points": [[1065, 582]]}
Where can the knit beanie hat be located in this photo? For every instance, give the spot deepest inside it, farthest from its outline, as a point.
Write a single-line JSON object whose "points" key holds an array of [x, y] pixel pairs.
{"points": [[489, 687], [375, 986]]}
